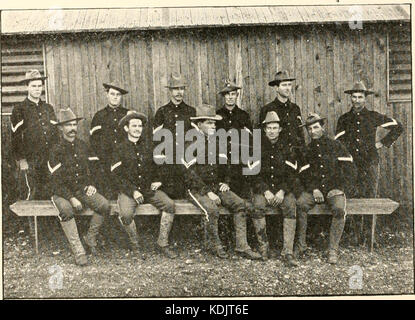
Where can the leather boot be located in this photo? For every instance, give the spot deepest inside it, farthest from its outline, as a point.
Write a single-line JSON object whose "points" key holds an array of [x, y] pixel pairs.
{"points": [[261, 233], [91, 237], [336, 231], [166, 223], [301, 232], [131, 230], [71, 232], [241, 242], [288, 235]]}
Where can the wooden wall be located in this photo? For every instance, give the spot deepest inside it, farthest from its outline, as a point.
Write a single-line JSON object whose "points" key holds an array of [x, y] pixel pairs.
{"points": [[326, 60]]}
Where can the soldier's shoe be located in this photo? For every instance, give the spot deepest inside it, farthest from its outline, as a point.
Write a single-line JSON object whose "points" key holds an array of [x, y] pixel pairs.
{"points": [[136, 252], [249, 254], [81, 260], [273, 254], [220, 252], [299, 252], [333, 258], [91, 244], [290, 261], [167, 252]]}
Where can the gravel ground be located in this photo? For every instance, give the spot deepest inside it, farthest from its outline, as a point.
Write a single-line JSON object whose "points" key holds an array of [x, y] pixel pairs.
{"points": [[115, 273]]}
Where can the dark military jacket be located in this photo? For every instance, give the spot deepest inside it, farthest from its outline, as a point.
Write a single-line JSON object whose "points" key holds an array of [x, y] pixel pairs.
{"points": [[206, 177], [290, 116], [72, 166], [105, 132], [357, 131], [278, 169], [327, 165], [167, 116], [239, 120], [33, 130], [133, 168]]}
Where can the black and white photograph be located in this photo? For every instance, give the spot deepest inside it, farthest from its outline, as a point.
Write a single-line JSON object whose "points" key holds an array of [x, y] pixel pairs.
{"points": [[216, 151]]}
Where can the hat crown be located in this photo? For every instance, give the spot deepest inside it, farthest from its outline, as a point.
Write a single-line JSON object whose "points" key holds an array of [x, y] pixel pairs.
{"points": [[116, 86], [32, 74], [271, 116], [206, 110], [359, 85], [176, 80], [66, 115], [312, 118], [229, 86]]}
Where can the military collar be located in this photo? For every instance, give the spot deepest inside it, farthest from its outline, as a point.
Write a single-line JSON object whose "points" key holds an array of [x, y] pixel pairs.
{"points": [[363, 111], [322, 139], [278, 103], [34, 103], [234, 109], [135, 143], [268, 145], [180, 105], [67, 143], [111, 109]]}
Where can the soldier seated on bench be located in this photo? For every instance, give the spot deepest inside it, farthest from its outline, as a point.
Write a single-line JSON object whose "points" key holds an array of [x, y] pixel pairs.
{"points": [[135, 175], [72, 167], [208, 185], [326, 172]]}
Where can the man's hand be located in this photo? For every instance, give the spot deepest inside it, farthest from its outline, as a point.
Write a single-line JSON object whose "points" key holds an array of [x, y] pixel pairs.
{"points": [[23, 165], [214, 197], [76, 203], [138, 197], [155, 185], [269, 196], [318, 196], [224, 187], [278, 198], [90, 191], [378, 145]]}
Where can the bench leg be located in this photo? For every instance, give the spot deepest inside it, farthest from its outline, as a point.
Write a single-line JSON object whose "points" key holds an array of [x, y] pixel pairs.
{"points": [[372, 240], [36, 236]]}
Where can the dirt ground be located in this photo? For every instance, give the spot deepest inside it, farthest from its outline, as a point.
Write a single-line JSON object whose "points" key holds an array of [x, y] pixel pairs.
{"points": [[196, 273]]}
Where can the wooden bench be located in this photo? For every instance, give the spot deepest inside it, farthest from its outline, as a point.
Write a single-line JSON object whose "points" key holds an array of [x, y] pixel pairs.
{"points": [[45, 208]]}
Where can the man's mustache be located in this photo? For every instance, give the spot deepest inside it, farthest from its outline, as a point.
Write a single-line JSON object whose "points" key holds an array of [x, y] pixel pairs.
{"points": [[72, 131]]}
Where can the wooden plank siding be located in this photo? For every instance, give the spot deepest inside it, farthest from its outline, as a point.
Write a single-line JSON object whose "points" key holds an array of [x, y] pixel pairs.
{"points": [[326, 60]]}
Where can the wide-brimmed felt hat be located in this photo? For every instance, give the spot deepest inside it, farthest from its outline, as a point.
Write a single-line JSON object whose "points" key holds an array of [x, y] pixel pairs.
{"points": [[114, 85], [66, 115], [313, 118], [206, 112], [32, 75], [176, 81], [229, 87], [271, 116], [280, 76], [359, 86], [132, 114]]}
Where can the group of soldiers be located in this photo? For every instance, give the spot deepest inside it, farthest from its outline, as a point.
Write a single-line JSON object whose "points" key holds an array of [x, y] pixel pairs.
{"points": [[120, 164]]}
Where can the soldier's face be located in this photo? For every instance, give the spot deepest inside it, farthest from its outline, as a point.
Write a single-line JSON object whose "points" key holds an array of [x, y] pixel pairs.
{"points": [[34, 88], [134, 128], [315, 130], [358, 100], [208, 127], [284, 89], [272, 130], [114, 97], [231, 97], [177, 94], [69, 129]]}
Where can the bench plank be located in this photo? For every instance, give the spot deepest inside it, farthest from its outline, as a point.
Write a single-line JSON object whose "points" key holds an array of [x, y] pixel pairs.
{"points": [[44, 208]]}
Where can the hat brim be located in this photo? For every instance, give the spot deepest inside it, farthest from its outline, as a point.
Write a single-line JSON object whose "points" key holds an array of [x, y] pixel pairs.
{"points": [[177, 86], [70, 120], [24, 81], [226, 90], [263, 123], [313, 122], [110, 86], [367, 92], [276, 82], [216, 118], [127, 118]]}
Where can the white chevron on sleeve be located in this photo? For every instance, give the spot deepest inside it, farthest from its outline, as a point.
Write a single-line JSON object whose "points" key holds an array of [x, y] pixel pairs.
{"points": [[53, 122], [188, 164], [157, 129], [292, 165], [52, 170], [391, 123], [93, 158], [304, 167], [14, 128], [254, 164], [339, 135], [115, 165], [345, 159], [94, 129]]}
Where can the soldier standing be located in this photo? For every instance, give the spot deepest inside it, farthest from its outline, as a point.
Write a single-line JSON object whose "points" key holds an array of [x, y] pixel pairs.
{"points": [[169, 117], [72, 168], [327, 172], [208, 185], [33, 134], [275, 186], [289, 113], [356, 129], [105, 133], [134, 170]]}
